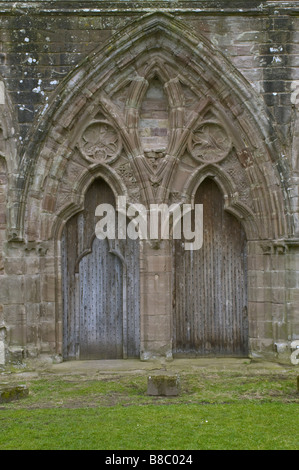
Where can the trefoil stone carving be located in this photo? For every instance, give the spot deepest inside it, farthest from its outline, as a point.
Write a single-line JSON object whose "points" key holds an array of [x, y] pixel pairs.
{"points": [[209, 143], [100, 142]]}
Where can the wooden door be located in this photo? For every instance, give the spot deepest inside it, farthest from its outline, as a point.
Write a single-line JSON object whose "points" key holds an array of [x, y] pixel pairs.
{"points": [[210, 301], [100, 287]]}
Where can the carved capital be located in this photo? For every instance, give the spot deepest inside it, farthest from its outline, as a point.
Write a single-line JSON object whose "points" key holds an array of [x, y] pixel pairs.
{"points": [[279, 247]]}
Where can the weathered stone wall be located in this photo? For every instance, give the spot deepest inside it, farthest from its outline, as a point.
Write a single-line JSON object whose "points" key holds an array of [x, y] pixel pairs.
{"points": [[42, 44]]}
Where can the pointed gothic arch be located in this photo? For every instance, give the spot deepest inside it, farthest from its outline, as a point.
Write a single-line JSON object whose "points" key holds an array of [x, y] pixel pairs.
{"points": [[229, 190], [217, 127], [109, 88]]}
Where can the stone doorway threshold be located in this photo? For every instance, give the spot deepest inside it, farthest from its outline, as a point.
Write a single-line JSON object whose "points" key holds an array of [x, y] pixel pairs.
{"points": [[174, 366]]}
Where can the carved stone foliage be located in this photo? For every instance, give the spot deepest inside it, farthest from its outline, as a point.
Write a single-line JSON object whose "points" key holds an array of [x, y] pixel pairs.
{"points": [[245, 158], [209, 143], [100, 142], [234, 166], [127, 175]]}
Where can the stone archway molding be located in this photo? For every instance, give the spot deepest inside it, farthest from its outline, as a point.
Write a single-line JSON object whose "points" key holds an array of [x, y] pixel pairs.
{"points": [[107, 90]]}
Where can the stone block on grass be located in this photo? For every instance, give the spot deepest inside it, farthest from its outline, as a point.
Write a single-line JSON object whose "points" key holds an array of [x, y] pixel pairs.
{"points": [[13, 392], [163, 385]]}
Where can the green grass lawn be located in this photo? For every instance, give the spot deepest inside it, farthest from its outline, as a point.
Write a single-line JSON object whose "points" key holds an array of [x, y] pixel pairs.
{"points": [[232, 426], [215, 410]]}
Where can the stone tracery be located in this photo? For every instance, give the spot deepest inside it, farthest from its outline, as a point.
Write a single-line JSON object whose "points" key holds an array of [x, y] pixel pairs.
{"points": [[117, 100]]}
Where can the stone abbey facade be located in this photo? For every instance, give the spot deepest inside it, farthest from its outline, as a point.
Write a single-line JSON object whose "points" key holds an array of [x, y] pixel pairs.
{"points": [[162, 102]]}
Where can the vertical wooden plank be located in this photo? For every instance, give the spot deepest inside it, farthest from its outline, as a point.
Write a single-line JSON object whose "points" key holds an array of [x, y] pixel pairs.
{"points": [[101, 326], [210, 308]]}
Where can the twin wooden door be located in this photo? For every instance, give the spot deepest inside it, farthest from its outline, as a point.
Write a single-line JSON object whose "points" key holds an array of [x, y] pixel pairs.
{"points": [[101, 294]]}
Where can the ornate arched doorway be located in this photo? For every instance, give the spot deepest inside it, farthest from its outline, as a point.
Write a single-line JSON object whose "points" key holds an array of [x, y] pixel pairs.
{"points": [[210, 287], [100, 287], [169, 109]]}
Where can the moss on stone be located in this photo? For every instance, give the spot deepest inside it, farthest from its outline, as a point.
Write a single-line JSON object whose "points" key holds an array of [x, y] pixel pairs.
{"points": [[163, 385], [13, 392]]}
